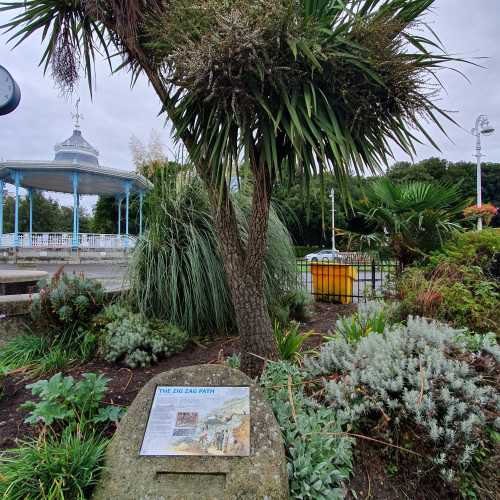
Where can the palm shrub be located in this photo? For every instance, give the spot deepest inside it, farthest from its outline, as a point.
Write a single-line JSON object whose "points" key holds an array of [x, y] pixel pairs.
{"points": [[410, 378], [411, 219], [177, 272]]}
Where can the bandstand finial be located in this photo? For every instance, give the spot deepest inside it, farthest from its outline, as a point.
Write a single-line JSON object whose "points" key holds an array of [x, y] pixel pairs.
{"points": [[77, 116]]}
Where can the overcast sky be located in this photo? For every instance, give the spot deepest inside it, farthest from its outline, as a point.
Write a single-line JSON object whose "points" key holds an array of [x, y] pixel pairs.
{"points": [[469, 29]]}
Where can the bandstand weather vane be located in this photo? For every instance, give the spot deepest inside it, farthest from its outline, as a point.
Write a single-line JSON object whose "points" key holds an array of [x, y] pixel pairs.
{"points": [[77, 116]]}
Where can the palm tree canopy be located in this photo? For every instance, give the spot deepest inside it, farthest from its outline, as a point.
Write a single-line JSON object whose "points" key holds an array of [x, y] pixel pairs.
{"points": [[294, 84], [413, 218]]}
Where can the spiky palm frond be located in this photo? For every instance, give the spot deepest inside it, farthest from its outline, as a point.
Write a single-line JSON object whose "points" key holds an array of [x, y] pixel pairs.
{"points": [[413, 218], [296, 85]]}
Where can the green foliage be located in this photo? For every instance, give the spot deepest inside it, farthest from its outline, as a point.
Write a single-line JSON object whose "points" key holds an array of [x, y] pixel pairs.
{"points": [[460, 173], [23, 350], [292, 305], [234, 361], [290, 340], [409, 376], [370, 317], [177, 273], [473, 248], [412, 219], [48, 215], [132, 339], [460, 284], [70, 404], [319, 454], [52, 468], [67, 302]]}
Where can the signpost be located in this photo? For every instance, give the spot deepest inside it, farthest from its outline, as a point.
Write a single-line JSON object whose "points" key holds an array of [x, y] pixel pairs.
{"points": [[198, 421]]}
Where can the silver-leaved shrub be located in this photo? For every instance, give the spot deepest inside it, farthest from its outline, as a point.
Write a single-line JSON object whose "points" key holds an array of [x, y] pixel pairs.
{"points": [[319, 453], [411, 373], [135, 341]]}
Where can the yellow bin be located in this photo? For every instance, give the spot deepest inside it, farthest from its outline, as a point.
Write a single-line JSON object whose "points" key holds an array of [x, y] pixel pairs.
{"points": [[333, 281]]}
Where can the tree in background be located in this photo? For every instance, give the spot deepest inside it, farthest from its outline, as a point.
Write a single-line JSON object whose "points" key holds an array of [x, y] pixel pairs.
{"points": [[48, 216], [308, 85]]}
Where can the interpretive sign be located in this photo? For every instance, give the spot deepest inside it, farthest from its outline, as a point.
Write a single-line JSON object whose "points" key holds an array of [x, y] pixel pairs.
{"points": [[198, 421]]}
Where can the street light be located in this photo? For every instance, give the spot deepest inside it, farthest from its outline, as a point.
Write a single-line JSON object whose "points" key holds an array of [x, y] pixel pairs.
{"points": [[482, 127], [332, 196]]}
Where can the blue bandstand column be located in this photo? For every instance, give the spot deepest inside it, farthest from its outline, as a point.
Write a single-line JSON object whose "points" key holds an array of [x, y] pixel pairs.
{"points": [[119, 201], [30, 195], [127, 205], [2, 187], [17, 182], [74, 242], [141, 198]]}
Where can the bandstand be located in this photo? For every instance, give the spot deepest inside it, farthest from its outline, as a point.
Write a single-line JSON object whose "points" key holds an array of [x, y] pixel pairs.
{"points": [[74, 170]]}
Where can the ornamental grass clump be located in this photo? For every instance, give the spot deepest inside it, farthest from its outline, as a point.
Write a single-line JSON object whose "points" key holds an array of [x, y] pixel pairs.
{"points": [[177, 271], [417, 378]]}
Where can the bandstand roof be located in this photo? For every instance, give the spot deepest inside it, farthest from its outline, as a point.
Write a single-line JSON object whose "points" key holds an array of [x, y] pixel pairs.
{"points": [[57, 176], [74, 154]]}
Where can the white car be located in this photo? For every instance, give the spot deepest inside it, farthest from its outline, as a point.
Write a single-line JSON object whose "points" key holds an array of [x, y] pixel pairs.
{"points": [[326, 254]]}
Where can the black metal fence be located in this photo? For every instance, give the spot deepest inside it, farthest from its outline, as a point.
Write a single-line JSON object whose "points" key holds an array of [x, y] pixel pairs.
{"points": [[348, 278]]}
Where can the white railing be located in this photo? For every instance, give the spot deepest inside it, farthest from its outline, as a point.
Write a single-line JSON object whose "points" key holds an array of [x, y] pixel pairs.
{"points": [[65, 240]]}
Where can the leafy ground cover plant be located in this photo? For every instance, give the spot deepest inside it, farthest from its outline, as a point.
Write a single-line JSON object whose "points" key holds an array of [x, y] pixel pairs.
{"points": [[418, 380], [65, 461], [319, 453], [134, 340], [70, 404]]}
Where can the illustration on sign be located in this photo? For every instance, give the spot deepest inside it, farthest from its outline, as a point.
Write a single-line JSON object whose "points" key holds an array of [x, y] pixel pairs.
{"points": [[198, 421]]}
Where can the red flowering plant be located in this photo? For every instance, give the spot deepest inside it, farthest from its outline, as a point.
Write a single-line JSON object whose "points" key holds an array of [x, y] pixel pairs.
{"points": [[486, 211]]}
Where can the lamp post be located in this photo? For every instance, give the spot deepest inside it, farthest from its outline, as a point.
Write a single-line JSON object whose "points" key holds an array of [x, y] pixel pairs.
{"points": [[482, 127], [332, 196]]}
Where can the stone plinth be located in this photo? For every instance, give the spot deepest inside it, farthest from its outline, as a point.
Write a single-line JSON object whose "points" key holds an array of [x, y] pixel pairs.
{"points": [[262, 475], [14, 282]]}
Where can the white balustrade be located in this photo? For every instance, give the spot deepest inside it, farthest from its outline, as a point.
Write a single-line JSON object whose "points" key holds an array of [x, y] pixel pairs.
{"points": [[65, 240]]}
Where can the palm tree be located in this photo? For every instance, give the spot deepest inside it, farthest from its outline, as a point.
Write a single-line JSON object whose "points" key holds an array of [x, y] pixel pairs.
{"points": [[283, 85], [414, 218]]}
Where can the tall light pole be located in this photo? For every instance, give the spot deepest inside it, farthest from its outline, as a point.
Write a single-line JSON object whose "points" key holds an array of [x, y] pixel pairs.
{"points": [[482, 127], [332, 196]]}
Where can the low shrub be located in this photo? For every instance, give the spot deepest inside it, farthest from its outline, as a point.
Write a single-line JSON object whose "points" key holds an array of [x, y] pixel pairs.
{"points": [[24, 350], [52, 468], [69, 404], [417, 379], [461, 296], [460, 284], [319, 453], [67, 301], [139, 342]]}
